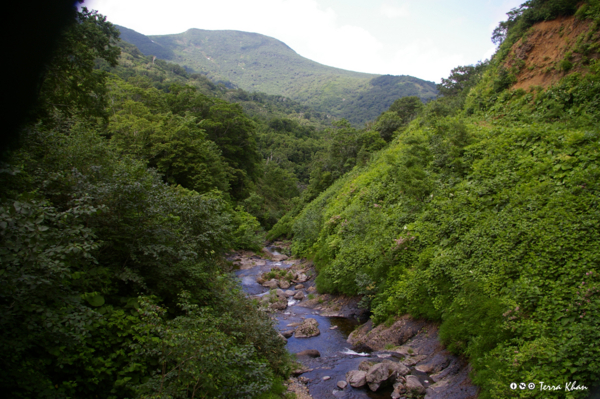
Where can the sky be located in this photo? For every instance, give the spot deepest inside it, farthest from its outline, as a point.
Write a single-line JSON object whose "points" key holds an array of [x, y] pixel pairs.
{"points": [[421, 38]]}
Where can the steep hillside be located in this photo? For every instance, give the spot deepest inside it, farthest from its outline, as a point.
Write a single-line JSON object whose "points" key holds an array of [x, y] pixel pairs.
{"points": [[256, 62], [551, 50], [482, 214]]}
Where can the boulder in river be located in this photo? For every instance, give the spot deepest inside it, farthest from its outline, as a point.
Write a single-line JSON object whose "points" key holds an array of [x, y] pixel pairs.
{"points": [[356, 378], [299, 286], [299, 295], [413, 385], [287, 333], [377, 375], [397, 369], [308, 328], [267, 254], [289, 293], [284, 284], [280, 304], [365, 365], [301, 278], [399, 390], [310, 353], [272, 284], [342, 384]]}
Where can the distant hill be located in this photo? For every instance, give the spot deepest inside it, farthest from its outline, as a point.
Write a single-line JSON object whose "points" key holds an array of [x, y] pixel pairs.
{"points": [[255, 62]]}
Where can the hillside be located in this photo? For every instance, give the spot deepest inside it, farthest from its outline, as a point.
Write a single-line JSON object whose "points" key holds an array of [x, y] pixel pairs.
{"points": [[259, 63], [482, 213]]}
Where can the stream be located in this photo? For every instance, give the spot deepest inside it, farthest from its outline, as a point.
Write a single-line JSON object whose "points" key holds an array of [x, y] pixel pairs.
{"points": [[336, 358]]}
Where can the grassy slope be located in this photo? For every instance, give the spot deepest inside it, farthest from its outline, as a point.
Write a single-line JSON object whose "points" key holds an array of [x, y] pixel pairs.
{"points": [[259, 63], [485, 223]]}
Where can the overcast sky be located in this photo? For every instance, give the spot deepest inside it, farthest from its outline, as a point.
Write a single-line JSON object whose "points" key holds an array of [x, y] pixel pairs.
{"points": [[422, 38]]}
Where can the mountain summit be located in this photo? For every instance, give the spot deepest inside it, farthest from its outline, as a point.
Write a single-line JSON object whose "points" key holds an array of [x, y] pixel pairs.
{"points": [[256, 62]]}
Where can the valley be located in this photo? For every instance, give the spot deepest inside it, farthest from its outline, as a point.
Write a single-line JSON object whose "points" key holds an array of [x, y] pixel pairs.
{"points": [[210, 215]]}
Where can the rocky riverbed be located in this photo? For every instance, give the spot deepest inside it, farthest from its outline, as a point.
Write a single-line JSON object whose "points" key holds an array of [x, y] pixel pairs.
{"points": [[342, 354]]}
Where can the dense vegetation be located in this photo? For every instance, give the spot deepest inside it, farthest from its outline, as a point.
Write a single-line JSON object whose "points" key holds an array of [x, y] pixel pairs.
{"points": [[481, 214], [115, 212], [260, 63], [135, 175]]}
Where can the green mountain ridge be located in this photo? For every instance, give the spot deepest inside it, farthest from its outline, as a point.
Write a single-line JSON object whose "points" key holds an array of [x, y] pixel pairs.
{"points": [[255, 62]]}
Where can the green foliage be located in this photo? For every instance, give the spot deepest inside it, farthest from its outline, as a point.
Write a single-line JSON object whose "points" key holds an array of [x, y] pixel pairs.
{"points": [[407, 108], [206, 352], [387, 124], [246, 235], [487, 229], [112, 280], [70, 85], [532, 11]]}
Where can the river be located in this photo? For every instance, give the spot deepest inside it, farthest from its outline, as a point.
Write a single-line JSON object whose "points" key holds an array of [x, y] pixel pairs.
{"points": [[336, 357]]}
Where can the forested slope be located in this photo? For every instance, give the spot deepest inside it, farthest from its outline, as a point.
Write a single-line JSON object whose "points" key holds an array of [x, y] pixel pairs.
{"points": [[482, 213], [128, 187], [256, 62]]}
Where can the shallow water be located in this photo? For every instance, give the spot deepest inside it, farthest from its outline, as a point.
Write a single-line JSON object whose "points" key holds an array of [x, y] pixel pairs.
{"points": [[336, 357]]}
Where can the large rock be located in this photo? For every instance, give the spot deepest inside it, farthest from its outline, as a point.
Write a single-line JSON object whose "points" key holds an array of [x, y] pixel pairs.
{"points": [[377, 375], [280, 304], [342, 384], [310, 353], [308, 328], [299, 295], [365, 365], [434, 365], [356, 378], [301, 278], [289, 293], [381, 336], [272, 284], [284, 284], [397, 369], [267, 254], [399, 391], [413, 385], [299, 286], [287, 333]]}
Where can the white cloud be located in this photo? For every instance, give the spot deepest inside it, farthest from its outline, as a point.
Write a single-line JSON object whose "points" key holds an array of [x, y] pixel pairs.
{"points": [[425, 60], [392, 11], [488, 54]]}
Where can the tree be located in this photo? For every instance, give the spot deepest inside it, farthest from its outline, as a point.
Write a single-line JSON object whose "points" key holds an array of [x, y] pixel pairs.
{"points": [[387, 124], [407, 108], [461, 79], [71, 86]]}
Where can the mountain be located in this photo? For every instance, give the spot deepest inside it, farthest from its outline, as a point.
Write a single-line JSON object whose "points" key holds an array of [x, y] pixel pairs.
{"points": [[255, 62]]}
